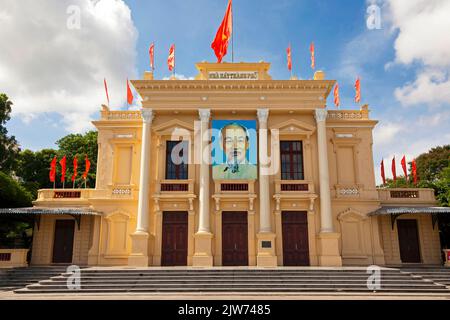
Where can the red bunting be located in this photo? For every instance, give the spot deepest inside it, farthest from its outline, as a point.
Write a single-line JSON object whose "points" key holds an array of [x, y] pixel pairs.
{"points": [[383, 176], [337, 100], [62, 162], [129, 94], [53, 170], [171, 58], [414, 170], [394, 172], [75, 167], [357, 90], [405, 171], [151, 52], [289, 58], [87, 166], [313, 59], [106, 90]]}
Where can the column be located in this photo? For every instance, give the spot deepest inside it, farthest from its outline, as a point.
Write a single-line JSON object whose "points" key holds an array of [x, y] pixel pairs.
{"points": [[203, 237], [266, 238], [328, 240], [203, 223], [139, 239]]}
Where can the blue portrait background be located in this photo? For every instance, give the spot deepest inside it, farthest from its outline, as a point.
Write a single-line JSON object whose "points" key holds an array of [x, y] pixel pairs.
{"points": [[218, 155]]}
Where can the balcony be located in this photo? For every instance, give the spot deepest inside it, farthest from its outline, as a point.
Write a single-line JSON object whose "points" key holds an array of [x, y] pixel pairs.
{"points": [[175, 186], [407, 196], [174, 194], [291, 194], [63, 197], [345, 115], [234, 194], [291, 186]]}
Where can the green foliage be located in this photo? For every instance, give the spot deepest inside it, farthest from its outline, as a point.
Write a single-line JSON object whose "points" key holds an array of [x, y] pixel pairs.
{"points": [[79, 145], [12, 194], [9, 148], [34, 167], [431, 163]]}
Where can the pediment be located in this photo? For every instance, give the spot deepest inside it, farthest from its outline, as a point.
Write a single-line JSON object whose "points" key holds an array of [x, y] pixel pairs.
{"points": [[174, 127], [293, 126], [351, 214]]}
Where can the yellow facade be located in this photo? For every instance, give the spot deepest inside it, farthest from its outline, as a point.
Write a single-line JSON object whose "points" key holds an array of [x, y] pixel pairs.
{"points": [[129, 230]]}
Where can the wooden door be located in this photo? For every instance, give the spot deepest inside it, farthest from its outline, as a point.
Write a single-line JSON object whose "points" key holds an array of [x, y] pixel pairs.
{"points": [[174, 239], [408, 237], [295, 238], [63, 241], [234, 238]]}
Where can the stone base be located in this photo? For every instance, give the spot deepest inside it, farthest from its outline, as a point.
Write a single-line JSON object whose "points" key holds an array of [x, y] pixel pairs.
{"points": [[266, 250], [202, 250], [139, 250], [328, 248]]}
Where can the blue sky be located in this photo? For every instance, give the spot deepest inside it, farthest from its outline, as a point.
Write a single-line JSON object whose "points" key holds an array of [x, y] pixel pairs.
{"points": [[395, 73]]}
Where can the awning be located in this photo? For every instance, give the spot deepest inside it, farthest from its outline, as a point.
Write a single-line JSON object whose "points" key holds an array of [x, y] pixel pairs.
{"points": [[395, 211], [76, 213]]}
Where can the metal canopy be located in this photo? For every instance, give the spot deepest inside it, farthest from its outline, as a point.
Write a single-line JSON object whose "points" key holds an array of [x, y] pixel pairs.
{"points": [[395, 212], [76, 213]]}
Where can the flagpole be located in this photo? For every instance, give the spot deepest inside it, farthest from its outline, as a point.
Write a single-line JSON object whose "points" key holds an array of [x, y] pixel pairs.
{"points": [[232, 36]]}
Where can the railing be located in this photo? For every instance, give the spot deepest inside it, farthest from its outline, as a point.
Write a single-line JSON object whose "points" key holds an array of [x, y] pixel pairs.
{"points": [[234, 187], [63, 194], [362, 114], [407, 195], [107, 114], [404, 193], [230, 186], [13, 258], [5, 256], [185, 186], [67, 194], [293, 186]]}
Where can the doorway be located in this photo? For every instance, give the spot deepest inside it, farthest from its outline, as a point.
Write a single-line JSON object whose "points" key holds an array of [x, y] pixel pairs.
{"points": [[234, 238]]}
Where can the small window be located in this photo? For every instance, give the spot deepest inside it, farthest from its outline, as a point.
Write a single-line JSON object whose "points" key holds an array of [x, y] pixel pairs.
{"points": [[177, 160], [291, 153]]}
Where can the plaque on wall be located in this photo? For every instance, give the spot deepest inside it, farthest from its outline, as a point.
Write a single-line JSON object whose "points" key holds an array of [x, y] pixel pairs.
{"points": [[266, 244]]}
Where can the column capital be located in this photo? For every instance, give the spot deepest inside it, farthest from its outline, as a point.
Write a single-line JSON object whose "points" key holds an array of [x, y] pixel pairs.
{"points": [[263, 114], [321, 115], [204, 114], [147, 115]]}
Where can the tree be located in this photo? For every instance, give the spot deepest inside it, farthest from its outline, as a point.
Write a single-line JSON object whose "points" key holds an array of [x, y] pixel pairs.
{"points": [[34, 167], [12, 194], [9, 148], [79, 145], [431, 163]]}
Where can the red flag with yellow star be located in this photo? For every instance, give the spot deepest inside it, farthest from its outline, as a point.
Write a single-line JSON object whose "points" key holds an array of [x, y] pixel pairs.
{"points": [[220, 43]]}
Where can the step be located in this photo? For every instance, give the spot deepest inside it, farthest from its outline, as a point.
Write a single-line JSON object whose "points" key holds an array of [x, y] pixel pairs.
{"points": [[235, 289]]}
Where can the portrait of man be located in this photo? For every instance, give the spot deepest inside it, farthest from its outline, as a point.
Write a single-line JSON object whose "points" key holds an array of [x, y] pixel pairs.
{"points": [[234, 149]]}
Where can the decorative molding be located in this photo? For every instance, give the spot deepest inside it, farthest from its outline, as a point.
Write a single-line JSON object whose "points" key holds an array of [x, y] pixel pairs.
{"points": [[263, 114], [321, 115], [147, 115], [204, 114]]}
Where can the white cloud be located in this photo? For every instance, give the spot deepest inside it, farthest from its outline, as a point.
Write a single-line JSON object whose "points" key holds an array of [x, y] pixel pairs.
{"points": [[46, 67], [423, 38], [386, 132]]}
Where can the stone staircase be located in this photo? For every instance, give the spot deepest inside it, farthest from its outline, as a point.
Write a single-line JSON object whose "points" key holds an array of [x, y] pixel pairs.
{"points": [[440, 276], [229, 280], [15, 278]]}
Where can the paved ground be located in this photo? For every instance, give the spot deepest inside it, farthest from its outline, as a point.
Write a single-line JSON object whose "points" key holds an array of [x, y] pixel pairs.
{"points": [[9, 295]]}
